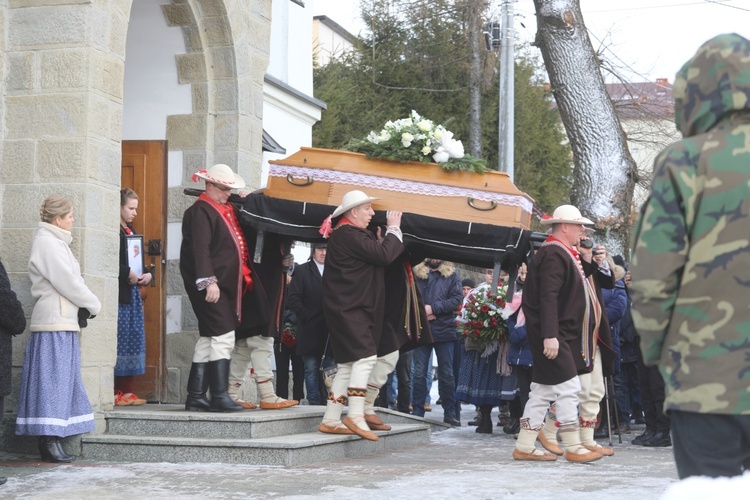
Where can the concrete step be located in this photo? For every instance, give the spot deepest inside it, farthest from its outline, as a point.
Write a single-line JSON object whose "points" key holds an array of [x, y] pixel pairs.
{"points": [[286, 450], [288, 437]]}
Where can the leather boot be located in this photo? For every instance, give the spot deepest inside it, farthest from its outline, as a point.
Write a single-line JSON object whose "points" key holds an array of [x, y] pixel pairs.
{"points": [[218, 375], [197, 387], [51, 450], [485, 426]]}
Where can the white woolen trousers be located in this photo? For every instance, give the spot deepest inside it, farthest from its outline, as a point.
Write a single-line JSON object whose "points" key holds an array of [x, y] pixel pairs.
{"points": [[213, 348], [252, 351], [566, 395], [592, 390]]}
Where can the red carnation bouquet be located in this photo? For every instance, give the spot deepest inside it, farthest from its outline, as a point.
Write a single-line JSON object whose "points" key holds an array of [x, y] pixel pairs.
{"points": [[479, 317], [289, 334]]}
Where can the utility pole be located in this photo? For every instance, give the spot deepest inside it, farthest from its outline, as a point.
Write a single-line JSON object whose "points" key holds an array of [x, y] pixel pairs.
{"points": [[505, 106]]}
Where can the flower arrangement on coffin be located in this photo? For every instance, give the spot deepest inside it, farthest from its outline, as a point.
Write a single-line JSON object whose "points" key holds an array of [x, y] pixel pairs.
{"points": [[289, 334], [479, 318], [416, 138]]}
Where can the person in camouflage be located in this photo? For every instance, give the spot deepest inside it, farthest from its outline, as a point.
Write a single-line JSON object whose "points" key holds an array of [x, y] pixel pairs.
{"points": [[691, 263]]}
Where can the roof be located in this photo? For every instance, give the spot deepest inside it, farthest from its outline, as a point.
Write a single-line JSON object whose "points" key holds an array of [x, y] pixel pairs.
{"points": [[642, 100], [271, 145]]}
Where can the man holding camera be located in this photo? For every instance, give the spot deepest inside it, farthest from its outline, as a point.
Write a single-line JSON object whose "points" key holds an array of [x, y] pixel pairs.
{"points": [[563, 320]]}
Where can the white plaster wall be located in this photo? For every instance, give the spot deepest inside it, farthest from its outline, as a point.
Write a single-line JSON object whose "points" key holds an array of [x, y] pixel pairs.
{"points": [[290, 131], [328, 44], [291, 45], [151, 90]]}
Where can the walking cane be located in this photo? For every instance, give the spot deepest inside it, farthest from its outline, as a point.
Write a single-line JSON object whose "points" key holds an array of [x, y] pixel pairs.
{"points": [[609, 415], [617, 414]]}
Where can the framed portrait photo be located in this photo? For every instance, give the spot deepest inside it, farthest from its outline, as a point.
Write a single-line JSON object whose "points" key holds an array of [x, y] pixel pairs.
{"points": [[135, 253]]}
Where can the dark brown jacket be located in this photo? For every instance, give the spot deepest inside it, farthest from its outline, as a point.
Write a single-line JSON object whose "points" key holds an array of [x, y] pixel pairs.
{"points": [[554, 303], [354, 290], [208, 249]]}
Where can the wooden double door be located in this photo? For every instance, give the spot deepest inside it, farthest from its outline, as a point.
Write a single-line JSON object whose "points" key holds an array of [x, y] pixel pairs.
{"points": [[144, 170]]}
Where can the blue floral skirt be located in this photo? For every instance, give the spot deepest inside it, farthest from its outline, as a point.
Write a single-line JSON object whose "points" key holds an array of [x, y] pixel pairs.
{"points": [[131, 337], [53, 400], [480, 384]]}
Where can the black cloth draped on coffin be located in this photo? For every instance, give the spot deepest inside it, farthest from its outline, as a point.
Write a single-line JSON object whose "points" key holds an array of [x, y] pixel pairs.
{"points": [[473, 244]]}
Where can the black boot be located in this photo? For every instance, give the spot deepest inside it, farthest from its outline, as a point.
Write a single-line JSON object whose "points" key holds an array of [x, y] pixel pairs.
{"points": [[197, 387], [513, 428], [3, 480], [485, 426], [218, 374], [51, 450], [642, 438]]}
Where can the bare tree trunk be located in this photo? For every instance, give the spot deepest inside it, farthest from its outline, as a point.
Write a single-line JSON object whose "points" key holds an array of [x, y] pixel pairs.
{"points": [[474, 13], [604, 171]]}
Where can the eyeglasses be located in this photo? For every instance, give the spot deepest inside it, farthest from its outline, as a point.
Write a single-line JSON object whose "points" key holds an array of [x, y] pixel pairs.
{"points": [[223, 189]]}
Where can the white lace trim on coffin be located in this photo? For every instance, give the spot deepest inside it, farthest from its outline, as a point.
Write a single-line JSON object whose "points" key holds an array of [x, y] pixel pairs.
{"points": [[398, 185]]}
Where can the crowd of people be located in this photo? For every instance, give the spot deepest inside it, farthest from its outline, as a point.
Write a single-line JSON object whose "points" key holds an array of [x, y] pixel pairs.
{"points": [[574, 351]]}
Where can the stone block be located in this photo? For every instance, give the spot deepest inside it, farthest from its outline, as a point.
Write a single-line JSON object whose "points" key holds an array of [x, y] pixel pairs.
{"points": [[104, 165], [177, 203], [118, 34], [209, 8], [175, 285], [225, 96], [178, 14], [107, 73], [65, 69], [48, 26], [225, 131], [258, 69], [3, 32], [18, 162], [200, 97], [223, 61], [193, 161], [100, 20], [61, 159], [175, 391], [192, 37], [187, 131], [20, 76], [189, 321], [260, 35], [56, 115], [216, 31], [191, 67]]}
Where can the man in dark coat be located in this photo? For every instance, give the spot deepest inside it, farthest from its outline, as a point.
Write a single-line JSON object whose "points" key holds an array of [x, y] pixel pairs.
{"points": [[563, 318], [306, 301], [353, 303], [213, 263], [441, 289]]}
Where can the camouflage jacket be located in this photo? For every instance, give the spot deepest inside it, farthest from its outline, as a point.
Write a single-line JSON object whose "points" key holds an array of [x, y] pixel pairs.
{"points": [[691, 262]]}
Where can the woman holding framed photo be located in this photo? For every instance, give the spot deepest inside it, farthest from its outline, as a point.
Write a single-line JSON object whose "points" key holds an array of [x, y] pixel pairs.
{"points": [[131, 332]]}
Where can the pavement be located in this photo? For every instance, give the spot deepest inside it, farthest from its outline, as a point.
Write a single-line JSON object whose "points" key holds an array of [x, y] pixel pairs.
{"points": [[456, 463]]}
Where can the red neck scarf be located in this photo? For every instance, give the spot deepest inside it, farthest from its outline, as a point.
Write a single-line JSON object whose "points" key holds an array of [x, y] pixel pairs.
{"points": [[230, 219]]}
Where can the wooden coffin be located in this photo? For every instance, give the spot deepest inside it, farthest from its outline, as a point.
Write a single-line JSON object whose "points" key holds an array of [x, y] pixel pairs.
{"points": [[325, 175]]}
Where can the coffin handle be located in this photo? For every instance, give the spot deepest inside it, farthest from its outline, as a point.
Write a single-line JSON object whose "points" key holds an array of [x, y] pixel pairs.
{"points": [[471, 203], [291, 180]]}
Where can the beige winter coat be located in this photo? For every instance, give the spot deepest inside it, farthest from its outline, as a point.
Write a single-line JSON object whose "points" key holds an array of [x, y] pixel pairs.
{"points": [[56, 282]]}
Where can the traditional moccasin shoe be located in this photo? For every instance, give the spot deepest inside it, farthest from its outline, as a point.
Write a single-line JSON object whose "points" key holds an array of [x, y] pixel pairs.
{"points": [[549, 445], [602, 450], [278, 404], [245, 404], [540, 457], [375, 424], [581, 458], [334, 429], [365, 434]]}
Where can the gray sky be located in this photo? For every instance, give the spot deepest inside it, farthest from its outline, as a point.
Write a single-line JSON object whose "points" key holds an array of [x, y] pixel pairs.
{"points": [[644, 39]]}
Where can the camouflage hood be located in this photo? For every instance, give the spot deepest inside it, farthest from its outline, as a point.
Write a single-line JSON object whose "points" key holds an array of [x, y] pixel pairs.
{"points": [[713, 84]]}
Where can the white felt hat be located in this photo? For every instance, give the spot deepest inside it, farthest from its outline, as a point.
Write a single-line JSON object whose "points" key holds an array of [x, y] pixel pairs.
{"points": [[566, 214]]}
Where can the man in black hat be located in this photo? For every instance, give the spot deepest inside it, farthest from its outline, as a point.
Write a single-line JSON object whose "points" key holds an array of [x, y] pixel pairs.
{"points": [[305, 299]]}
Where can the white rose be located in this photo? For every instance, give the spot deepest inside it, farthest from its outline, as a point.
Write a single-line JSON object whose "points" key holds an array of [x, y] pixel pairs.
{"points": [[406, 139], [440, 155], [384, 136], [425, 125], [426, 150], [372, 137], [439, 133]]}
